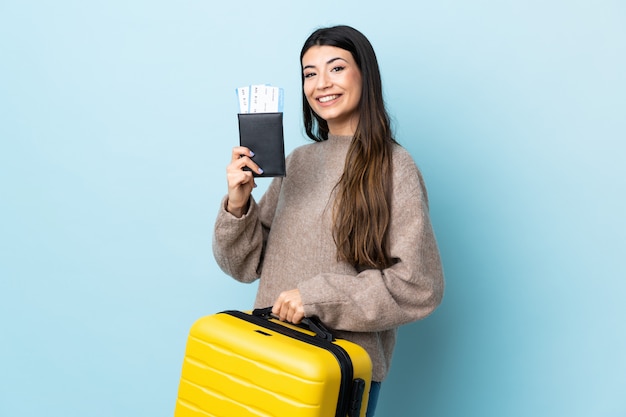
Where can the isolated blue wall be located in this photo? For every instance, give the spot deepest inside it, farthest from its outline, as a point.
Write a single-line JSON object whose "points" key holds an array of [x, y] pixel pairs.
{"points": [[116, 123]]}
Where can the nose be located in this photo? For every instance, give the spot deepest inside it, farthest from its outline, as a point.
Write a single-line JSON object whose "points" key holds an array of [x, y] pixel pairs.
{"points": [[323, 81]]}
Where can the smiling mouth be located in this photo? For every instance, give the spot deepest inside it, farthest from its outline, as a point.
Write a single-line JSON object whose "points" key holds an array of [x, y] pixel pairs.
{"points": [[326, 99]]}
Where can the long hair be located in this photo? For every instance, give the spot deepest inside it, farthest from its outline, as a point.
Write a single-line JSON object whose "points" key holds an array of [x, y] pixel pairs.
{"points": [[361, 211]]}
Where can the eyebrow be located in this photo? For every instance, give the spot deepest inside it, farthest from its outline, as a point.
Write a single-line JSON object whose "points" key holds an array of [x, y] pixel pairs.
{"points": [[330, 61]]}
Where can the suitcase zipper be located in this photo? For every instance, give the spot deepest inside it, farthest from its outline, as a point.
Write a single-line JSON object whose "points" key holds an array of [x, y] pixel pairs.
{"points": [[347, 405]]}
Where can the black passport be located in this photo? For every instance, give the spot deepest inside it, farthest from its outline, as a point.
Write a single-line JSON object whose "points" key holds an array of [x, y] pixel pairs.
{"points": [[262, 133]]}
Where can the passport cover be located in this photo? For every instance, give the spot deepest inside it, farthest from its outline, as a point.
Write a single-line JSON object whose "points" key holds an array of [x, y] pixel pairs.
{"points": [[262, 133]]}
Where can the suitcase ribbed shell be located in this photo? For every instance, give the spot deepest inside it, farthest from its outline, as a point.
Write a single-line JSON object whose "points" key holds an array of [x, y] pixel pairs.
{"points": [[235, 368]]}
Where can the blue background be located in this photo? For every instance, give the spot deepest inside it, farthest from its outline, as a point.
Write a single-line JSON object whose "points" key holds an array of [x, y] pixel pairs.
{"points": [[116, 124]]}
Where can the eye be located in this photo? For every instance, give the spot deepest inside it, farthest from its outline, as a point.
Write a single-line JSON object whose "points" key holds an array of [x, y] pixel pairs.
{"points": [[337, 69], [309, 74]]}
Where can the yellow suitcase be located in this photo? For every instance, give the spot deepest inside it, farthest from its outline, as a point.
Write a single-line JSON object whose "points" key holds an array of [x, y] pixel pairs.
{"points": [[248, 364]]}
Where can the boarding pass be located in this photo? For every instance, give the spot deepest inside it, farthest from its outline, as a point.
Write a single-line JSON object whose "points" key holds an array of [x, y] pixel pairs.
{"points": [[260, 98]]}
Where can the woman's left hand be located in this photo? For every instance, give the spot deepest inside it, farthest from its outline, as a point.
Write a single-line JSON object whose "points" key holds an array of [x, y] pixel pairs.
{"points": [[289, 306]]}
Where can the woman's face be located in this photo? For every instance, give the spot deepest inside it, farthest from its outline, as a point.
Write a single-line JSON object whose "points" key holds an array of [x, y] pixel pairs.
{"points": [[332, 87]]}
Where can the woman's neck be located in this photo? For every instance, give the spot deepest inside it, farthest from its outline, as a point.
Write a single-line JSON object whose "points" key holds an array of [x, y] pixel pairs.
{"points": [[344, 127]]}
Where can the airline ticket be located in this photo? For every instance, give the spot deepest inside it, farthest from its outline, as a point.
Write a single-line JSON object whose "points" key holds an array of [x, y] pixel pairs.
{"points": [[260, 98]]}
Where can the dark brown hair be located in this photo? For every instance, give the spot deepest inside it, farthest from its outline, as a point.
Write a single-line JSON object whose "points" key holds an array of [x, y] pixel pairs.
{"points": [[361, 212]]}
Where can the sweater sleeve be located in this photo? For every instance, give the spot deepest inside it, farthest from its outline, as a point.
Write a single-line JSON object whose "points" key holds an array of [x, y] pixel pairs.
{"points": [[239, 243], [409, 290]]}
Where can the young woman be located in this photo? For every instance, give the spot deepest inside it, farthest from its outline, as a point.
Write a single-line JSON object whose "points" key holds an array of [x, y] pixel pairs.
{"points": [[346, 235]]}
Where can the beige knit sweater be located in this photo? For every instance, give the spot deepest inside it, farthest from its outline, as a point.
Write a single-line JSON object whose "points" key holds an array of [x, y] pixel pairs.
{"points": [[286, 240]]}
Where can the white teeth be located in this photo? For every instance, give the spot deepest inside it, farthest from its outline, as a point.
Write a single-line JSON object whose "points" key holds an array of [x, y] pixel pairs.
{"points": [[327, 98]]}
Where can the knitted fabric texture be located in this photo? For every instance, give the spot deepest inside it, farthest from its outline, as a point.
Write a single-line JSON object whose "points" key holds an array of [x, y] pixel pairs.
{"points": [[286, 240]]}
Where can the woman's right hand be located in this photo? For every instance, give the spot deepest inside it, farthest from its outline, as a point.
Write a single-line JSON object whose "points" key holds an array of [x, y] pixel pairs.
{"points": [[240, 182]]}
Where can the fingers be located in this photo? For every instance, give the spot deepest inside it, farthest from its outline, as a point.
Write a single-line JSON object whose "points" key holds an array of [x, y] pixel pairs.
{"points": [[288, 306], [242, 157], [239, 151], [240, 181], [237, 177]]}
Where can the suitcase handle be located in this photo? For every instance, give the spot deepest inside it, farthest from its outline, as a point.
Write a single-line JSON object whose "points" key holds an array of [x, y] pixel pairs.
{"points": [[312, 323]]}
